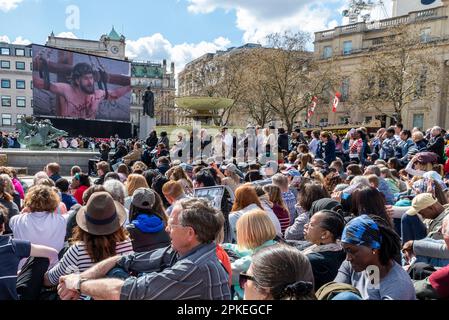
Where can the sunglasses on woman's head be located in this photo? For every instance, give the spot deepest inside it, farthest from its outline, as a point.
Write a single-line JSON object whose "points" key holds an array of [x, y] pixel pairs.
{"points": [[243, 279]]}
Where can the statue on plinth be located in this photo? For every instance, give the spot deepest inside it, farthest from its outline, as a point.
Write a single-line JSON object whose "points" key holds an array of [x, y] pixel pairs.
{"points": [[38, 135], [148, 104]]}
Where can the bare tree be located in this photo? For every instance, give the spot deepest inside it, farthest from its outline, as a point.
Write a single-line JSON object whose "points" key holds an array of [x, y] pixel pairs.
{"points": [[398, 73]]}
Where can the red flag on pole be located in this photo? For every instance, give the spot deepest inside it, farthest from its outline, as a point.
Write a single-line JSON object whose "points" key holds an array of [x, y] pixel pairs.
{"points": [[336, 102], [312, 107]]}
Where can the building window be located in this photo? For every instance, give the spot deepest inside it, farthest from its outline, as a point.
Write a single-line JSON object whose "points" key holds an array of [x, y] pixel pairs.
{"points": [[6, 101], [425, 35], [20, 52], [324, 122], [344, 120], [20, 65], [31, 85], [21, 102], [418, 121], [368, 119], [345, 90], [5, 64], [6, 84], [20, 84], [347, 47], [4, 51], [421, 84], [19, 118], [31, 66], [327, 52], [6, 119]]}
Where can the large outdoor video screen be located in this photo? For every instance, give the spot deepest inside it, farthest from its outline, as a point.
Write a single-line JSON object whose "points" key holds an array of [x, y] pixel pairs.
{"points": [[72, 85]]}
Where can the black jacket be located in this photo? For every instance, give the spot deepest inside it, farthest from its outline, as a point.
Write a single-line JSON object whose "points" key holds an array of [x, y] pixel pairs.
{"points": [[325, 266], [120, 153], [145, 242], [283, 142], [436, 145]]}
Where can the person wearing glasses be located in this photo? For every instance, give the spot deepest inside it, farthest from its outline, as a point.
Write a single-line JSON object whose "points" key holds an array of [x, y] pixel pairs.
{"points": [[278, 272], [187, 270]]}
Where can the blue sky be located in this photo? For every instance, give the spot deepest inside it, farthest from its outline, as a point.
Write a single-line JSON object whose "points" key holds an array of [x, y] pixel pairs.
{"points": [[177, 30]]}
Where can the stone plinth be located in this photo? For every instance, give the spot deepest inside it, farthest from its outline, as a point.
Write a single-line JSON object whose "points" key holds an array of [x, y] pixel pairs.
{"points": [[35, 161], [147, 125]]}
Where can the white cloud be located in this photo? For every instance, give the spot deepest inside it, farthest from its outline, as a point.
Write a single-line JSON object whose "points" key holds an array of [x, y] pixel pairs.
{"points": [[258, 18], [7, 5], [156, 48], [19, 40], [68, 35]]}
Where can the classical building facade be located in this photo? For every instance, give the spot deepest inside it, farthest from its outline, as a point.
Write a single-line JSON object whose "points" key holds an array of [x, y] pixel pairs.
{"points": [[16, 92], [347, 46], [162, 83]]}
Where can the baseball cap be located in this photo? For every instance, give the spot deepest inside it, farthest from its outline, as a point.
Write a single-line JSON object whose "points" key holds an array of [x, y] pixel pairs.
{"points": [[421, 202], [144, 198], [231, 167]]}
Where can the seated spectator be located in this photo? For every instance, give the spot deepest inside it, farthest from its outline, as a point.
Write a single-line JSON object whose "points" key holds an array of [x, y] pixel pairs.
{"points": [[139, 167], [392, 182], [102, 169], [7, 201], [52, 170], [288, 196], [383, 185], [165, 274], [254, 232], [369, 201], [99, 235], [134, 182], [428, 207], [163, 165], [40, 225], [246, 200], [326, 254], [178, 174], [9, 188], [278, 273], [372, 247], [310, 193], [123, 172], [38, 176], [279, 208], [134, 155], [12, 251], [434, 286], [104, 156], [173, 192], [74, 170], [111, 176], [148, 221], [80, 183], [63, 187]]}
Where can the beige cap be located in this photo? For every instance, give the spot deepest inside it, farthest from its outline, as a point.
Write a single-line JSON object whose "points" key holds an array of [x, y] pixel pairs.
{"points": [[421, 202]]}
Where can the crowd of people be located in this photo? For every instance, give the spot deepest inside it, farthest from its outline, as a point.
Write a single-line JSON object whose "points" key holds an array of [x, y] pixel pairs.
{"points": [[298, 217]]}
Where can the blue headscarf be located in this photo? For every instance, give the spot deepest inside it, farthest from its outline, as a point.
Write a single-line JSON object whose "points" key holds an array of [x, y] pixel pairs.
{"points": [[362, 231]]}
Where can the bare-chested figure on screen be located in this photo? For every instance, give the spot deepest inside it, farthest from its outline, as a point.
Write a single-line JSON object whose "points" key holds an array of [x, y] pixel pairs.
{"points": [[80, 99]]}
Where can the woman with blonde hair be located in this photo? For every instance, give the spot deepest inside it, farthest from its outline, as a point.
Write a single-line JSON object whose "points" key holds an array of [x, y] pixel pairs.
{"points": [[254, 232], [134, 182]]}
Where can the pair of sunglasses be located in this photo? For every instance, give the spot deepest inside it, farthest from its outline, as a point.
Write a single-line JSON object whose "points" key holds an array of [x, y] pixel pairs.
{"points": [[243, 279]]}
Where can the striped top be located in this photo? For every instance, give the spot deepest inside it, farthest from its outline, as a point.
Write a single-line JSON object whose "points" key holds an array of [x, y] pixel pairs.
{"points": [[283, 216], [196, 276], [76, 260]]}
